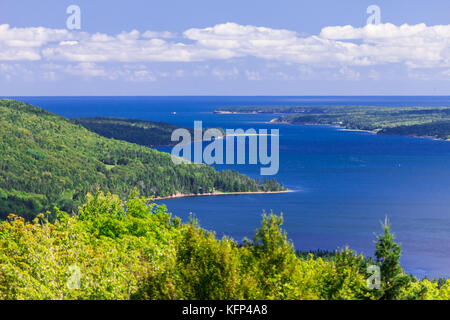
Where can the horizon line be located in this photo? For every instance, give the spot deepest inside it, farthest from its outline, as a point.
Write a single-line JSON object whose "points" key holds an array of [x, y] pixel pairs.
{"points": [[224, 96]]}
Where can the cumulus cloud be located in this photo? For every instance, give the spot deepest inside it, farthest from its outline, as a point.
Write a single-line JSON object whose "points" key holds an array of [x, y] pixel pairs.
{"points": [[25, 43], [31, 37], [388, 31], [158, 34], [414, 45], [10, 71], [341, 47], [87, 69], [134, 73]]}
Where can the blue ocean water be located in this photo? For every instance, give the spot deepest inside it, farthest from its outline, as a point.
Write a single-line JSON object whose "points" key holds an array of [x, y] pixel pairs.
{"points": [[345, 182]]}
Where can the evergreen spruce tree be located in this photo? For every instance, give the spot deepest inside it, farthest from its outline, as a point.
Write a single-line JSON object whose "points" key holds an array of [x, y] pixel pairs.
{"points": [[388, 254]]}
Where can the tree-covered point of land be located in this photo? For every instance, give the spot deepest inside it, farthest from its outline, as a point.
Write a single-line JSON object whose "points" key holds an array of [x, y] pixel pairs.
{"points": [[133, 249], [373, 118], [413, 121], [48, 160], [143, 132], [262, 109]]}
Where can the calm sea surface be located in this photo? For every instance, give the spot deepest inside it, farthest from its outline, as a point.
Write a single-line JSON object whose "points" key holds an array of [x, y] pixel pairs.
{"points": [[345, 182]]}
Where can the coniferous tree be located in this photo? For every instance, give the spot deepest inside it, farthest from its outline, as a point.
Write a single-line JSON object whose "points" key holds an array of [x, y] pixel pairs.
{"points": [[388, 254]]}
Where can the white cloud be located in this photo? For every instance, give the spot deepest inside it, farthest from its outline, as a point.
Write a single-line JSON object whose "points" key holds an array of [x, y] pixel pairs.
{"points": [[253, 75], [10, 71], [68, 43], [134, 73], [348, 73], [225, 73], [15, 54], [87, 69], [413, 45], [158, 34], [343, 48], [49, 76], [125, 47], [140, 75], [25, 43], [383, 32], [31, 37]]}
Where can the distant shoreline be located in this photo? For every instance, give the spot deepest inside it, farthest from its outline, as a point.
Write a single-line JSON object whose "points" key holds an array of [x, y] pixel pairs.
{"points": [[415, 122], [185, 195], [342, 128], [384, 134]]}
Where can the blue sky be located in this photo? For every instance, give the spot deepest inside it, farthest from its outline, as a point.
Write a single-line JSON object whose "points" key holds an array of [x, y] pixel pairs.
{"points": [[209, 47]]}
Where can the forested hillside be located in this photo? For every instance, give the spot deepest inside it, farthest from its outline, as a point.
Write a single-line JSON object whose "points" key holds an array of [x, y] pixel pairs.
{"points": [[436, 129], [143, 132], [48, 160]]}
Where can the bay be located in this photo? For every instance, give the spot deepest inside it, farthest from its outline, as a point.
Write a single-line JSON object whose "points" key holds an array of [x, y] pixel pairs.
{"points": [[344, 182]]}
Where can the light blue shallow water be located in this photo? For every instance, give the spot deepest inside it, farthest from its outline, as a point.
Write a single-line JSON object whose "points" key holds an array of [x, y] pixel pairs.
{"points": [[345, 182]]}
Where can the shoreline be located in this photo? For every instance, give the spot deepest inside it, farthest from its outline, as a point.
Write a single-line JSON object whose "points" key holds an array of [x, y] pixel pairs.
{"points": [[398, 135], [213, 194], [341, 128]]}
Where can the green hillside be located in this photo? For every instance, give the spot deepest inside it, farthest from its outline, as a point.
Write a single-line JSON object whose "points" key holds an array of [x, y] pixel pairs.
{"points": [[48, 160], [143, 132]]}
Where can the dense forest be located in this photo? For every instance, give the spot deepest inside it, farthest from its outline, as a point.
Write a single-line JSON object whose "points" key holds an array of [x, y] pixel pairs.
{"points": [[143, 132], [413, 121], [111, 249], [48, 160], [436, 129]]}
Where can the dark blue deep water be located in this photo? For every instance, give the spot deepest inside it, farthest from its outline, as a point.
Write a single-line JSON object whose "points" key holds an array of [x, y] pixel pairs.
{"points": [[345, 182]]}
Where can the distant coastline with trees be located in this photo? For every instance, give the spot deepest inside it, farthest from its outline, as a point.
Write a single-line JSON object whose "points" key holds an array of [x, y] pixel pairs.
{"points": [[432, 122]]}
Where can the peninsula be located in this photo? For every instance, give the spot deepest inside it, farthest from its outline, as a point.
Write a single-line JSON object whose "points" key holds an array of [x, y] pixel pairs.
{"points": [[431, 122]]}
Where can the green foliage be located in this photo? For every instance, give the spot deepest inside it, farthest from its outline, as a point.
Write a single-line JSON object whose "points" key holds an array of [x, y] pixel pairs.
{"points": [[47, 160], [426, 290], [146, 133], [202, 268], [271, 258], [388, 253], [136, 250], [142, 132], [436, 128], [413, 121]]}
